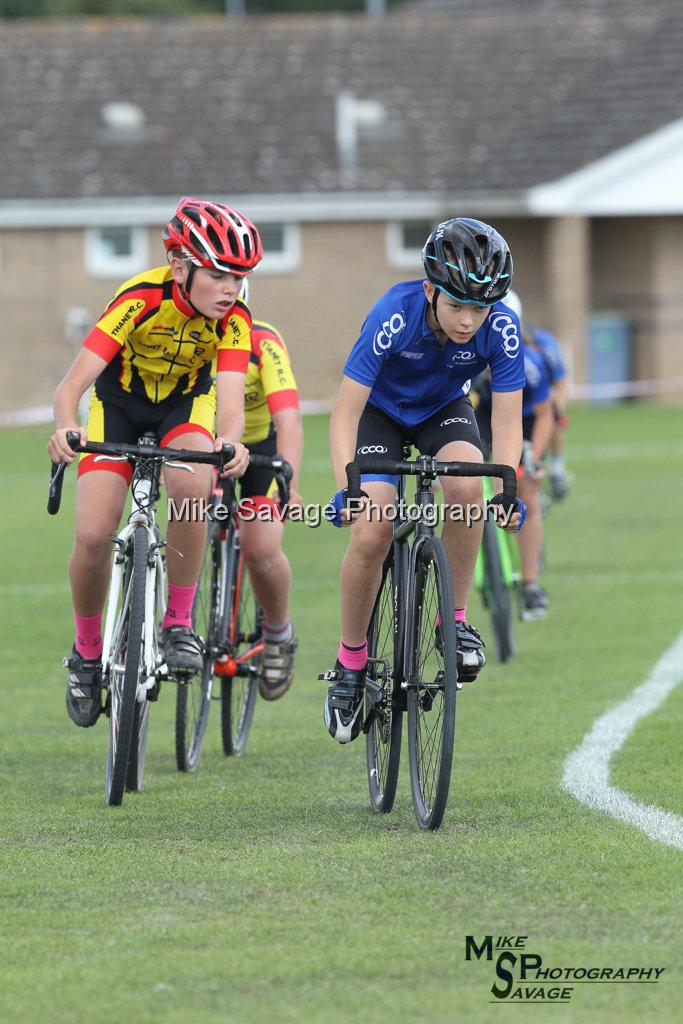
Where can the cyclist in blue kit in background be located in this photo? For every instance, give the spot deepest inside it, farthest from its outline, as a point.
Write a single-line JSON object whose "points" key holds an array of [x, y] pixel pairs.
{"points": [[407, 379]]}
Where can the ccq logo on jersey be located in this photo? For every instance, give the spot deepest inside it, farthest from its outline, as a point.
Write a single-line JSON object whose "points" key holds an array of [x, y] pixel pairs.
{"points": [[387, 332], [462, 357], [371, 449], [505, 325], [523, 977]]}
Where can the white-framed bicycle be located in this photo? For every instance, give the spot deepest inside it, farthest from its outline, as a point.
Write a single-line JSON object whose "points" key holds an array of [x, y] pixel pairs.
{"points": [[133, 665]]}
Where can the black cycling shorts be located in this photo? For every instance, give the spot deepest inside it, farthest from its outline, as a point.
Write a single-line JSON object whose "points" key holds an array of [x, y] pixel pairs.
{"points": [[379, 436], [122, 418]]}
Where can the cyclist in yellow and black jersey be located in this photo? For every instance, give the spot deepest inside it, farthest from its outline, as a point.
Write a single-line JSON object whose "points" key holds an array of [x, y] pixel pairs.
{"points": [[150, 359]]}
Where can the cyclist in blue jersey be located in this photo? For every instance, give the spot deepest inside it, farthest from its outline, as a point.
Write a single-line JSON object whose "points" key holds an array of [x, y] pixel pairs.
{"points": [[407, 379]]}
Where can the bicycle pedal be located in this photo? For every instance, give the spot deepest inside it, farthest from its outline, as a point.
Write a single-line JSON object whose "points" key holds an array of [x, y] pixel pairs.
{"points": [[153, 693]]}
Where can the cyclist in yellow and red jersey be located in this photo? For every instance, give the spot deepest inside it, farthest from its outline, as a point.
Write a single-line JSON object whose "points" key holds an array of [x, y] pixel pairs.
{"points": [[272, 423], [149, 358]]}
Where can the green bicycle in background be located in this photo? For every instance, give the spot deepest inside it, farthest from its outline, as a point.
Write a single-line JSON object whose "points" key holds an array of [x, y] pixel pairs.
{"points": [[497, 577]]}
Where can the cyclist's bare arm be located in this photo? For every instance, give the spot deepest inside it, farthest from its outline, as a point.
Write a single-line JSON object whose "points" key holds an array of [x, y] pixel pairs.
{"points": [[83, 372], [506, 430], [290, 444], [230, 418], [348, 409], [542, 432], [560, 393]]}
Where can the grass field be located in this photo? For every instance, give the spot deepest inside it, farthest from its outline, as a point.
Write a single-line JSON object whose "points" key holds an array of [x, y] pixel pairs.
{"points": [[264, 888]]}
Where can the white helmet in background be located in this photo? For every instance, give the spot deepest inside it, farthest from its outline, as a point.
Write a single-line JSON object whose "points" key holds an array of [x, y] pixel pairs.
{"points": [[512, 300], [244, 294]]}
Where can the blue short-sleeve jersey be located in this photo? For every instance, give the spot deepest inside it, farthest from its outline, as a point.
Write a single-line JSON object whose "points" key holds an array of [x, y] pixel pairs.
{"points": [[411, 374], [537, 386], [549, 347]]}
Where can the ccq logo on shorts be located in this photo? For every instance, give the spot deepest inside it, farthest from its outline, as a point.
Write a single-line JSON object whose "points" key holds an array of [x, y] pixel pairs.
{"points": [[505, 325], [387, 332], [454, 419], [372, 449]]}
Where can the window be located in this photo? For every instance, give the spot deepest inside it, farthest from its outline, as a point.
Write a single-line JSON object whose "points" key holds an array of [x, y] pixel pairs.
{"points": [[115, 251], [281, 248], [404, 241]]}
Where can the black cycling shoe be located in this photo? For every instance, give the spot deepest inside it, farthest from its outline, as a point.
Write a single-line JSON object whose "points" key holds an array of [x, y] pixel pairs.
{"points": [[344, 702], [469, 648], [183, 651], [84, 689], [535, 602]]}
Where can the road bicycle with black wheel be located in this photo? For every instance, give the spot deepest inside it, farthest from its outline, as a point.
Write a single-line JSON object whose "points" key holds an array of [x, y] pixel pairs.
{"points": [[412, 654], [228, 617], [133, 665], [498, 577]]}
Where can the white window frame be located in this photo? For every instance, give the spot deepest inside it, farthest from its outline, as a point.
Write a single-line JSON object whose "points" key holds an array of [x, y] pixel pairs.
{"points": [[100, 264], [396, 253], [289, 258]]}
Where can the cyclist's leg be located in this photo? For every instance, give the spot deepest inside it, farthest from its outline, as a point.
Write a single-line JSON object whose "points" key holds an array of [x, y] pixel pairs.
{"points": [[188, 425], [452, 435], [261, 534], [100, 497], [361, 575], [530, 540]]}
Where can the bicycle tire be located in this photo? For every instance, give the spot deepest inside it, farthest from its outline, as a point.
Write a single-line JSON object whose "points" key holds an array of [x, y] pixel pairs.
{"points": [[193, 699], [238, 692], [138, 748], [125, 669], [497, 595], [432, 683], [383, 739]]}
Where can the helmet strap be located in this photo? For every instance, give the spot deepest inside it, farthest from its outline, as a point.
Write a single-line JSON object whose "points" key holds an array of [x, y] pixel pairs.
{"points": [[185, 290], [434, 298]]}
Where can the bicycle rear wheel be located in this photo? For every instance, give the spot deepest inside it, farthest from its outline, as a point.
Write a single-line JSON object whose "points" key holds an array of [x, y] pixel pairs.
{"points": [[239, 691], [125, 668], [432, 683], [497, 594], [383, 740], [193, 699]]}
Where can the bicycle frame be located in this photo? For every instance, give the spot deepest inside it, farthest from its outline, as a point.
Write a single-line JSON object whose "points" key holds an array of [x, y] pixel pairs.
{"points": [[507, 549], [143, 513]]}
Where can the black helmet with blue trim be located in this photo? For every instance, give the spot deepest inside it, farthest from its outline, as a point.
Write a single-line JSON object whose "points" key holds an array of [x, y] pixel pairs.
{"points": [[469, 260]]}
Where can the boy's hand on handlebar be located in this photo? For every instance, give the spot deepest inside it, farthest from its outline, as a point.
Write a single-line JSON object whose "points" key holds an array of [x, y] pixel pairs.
{"points": [[58, 448], [238, 464]]}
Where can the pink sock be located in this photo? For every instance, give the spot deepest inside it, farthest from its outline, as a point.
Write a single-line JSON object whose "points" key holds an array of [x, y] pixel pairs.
{"points": [[353, 657], [179, 607], [460, 616], [88, 641]]}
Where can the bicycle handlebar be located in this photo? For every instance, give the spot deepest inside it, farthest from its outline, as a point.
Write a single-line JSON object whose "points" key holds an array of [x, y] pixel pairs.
{"points": [[281, 469], [428, 465], [132, 452]]}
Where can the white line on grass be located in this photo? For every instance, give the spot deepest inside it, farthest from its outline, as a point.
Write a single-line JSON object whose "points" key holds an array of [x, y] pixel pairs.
{"points": [[586, 770]]}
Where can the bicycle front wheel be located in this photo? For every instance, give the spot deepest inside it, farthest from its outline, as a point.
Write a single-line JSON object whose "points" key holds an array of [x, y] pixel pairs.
{"points": [[432, 683], [193, 699], [497, 594], [383, 740], [239, 691], [124, 670]]}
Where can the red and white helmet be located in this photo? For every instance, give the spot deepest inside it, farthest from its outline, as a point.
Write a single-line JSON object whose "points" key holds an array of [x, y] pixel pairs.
{"points": [[213, 235]]}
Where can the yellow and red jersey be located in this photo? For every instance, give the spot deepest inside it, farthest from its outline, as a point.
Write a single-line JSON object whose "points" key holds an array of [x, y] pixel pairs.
{"points": [[269, 385], [157, 346]]}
